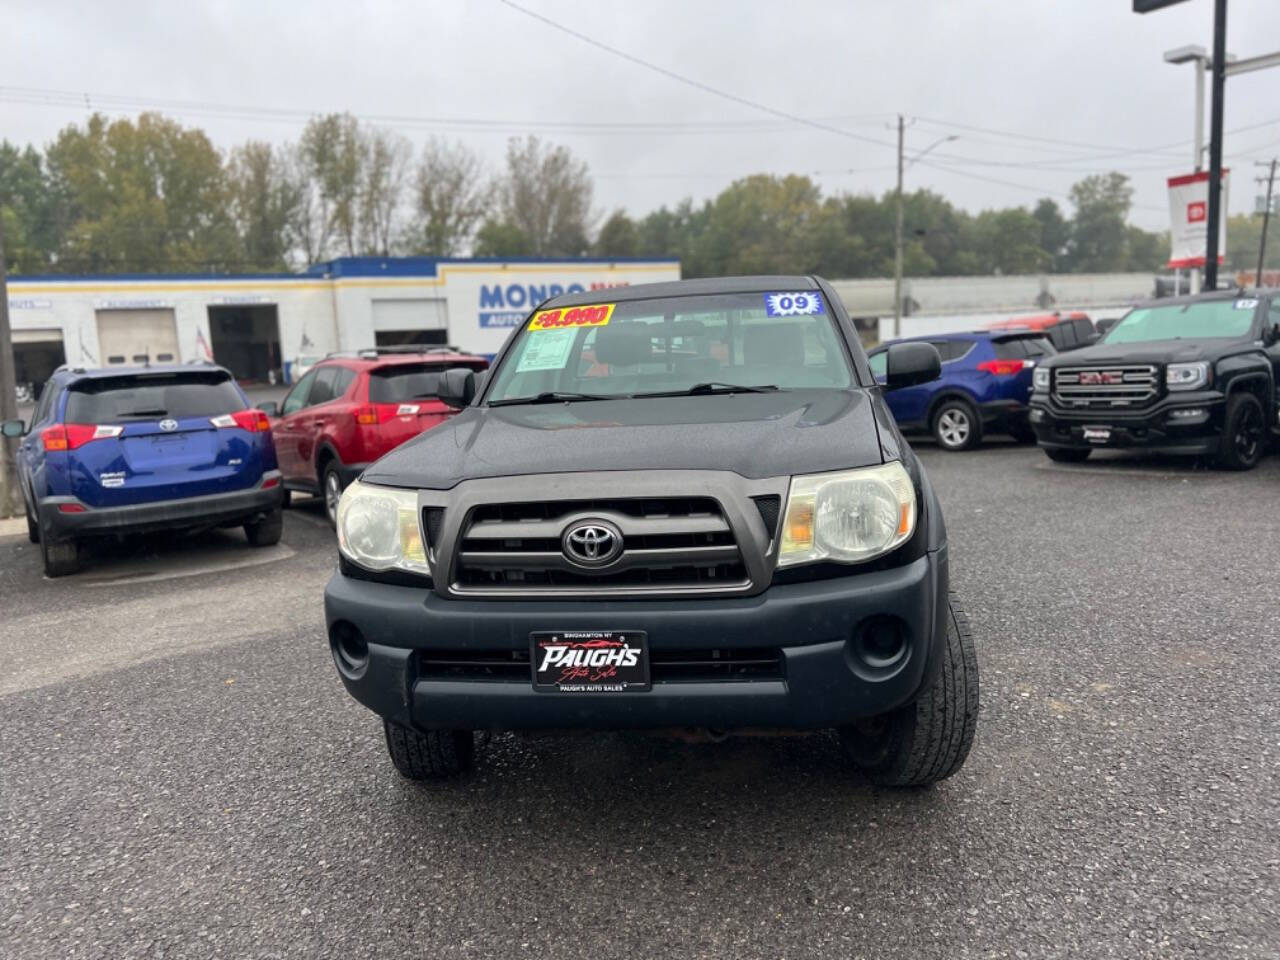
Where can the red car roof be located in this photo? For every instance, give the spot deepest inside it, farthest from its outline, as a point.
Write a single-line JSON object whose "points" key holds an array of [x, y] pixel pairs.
{"points": [[1036, 321], [445, 358]]}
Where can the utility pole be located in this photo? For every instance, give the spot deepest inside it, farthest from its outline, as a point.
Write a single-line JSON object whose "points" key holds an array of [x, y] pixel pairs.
{"points": [[897, 246], [10, 496], [1215, 143], [1266, 221]]}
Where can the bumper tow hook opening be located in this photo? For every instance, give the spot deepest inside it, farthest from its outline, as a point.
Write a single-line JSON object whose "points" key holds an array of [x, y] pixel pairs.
{"points": [[350, 650]]}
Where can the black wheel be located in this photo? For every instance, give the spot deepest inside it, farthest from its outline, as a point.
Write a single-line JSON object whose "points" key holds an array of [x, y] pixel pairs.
{"points": [[331, 490], [1068, 454], [956, 425], [431, 755], [266, 531], [61, 557], [928, 740], [1243, 433]]}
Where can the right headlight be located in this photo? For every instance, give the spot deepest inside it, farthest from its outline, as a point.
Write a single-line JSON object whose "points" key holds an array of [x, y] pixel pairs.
{"points": [[378, 529], [849, 516], [1040, 378]]}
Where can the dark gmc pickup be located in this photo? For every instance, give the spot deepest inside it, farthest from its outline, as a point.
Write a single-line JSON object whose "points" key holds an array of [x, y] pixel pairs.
{"points": [[686, 506], [1187, 375]]}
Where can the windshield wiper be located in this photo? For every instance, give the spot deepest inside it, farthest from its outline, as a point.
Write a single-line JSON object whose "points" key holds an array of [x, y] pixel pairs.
{"points": [[552, 396], [713, 386], [157, 412]]}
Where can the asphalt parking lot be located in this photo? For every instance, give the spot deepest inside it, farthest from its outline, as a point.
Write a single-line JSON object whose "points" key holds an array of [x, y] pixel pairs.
{"points": [[182, 774]]}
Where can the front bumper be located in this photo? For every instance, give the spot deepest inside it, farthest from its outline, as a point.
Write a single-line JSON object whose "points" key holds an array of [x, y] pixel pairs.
{"points": [[1182, 424], [1003, 415], [212, 510], [823, 681]]}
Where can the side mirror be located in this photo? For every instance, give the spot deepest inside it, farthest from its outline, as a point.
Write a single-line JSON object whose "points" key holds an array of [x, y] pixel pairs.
{"points": [[911, 363], [457, 387], [270, 408], [14, 428]]}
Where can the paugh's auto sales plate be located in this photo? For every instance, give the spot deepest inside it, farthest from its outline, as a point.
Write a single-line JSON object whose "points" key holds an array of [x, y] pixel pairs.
{"points": [[590, 661]]}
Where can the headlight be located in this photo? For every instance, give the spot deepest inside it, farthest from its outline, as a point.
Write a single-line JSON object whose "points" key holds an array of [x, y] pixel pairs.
{"points": [[378, 528], [1040, 378], [1186, 376], [848, 517]]}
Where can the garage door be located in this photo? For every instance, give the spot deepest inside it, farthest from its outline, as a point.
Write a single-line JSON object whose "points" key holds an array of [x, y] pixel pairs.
{"points": [[391, 315], [137, 336]]}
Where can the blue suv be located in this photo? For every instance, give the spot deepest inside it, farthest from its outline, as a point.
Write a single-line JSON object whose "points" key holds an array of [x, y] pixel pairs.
{"points": [[984, 388], [127, 450]]}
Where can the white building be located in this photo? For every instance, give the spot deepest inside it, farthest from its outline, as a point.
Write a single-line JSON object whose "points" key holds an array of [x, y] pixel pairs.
{"points": [[255, 324]]}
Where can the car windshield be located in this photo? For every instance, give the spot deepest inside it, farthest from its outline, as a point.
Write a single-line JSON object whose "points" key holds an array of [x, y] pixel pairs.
{"points": [[707, 344], [150, 396], [1185, 321]]}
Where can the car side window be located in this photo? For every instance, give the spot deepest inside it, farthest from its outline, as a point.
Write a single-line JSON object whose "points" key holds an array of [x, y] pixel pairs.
{"points": [[879, 364], [945, 349], [1068, 334], [297, 398], [322, 389], [342, 379], [1273, 315], [46, 403]]}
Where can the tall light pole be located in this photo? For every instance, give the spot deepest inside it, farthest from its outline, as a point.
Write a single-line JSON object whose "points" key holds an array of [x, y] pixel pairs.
{"points": [[1199, 56], [897, 236]]}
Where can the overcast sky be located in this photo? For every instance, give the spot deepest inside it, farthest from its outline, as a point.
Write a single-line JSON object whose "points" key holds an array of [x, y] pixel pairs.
{"points": [[1085, 72]]}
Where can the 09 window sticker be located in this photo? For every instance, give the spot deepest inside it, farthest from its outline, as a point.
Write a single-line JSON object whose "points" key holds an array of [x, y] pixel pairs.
{"points": [[801, 303]]}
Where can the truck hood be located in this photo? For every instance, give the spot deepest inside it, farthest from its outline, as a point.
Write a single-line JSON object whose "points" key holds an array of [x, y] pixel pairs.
{"points": [[755, 435], [1156, 351]]}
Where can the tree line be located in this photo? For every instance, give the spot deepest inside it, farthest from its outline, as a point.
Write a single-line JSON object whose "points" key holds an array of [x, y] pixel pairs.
{"points": [[150, 195]]}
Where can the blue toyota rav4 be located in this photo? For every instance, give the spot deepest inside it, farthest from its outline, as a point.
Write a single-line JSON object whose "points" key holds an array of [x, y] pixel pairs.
{"points": [[985, 387], [128, 450]]}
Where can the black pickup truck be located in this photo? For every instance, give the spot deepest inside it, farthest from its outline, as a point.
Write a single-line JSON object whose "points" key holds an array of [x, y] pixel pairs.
{"points": [[1188, 375], [671, 506]]}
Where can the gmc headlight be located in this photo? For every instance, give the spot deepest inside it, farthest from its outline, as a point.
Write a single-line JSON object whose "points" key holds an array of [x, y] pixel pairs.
{"points": [[378, 529], [848, 517], [1186, 376], [1040, 378]]}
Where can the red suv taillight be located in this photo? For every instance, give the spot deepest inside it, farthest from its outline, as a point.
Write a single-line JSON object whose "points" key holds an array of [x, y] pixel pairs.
{"points": [[372, 414], [255, 421], [1002, 368], [70, 436]]}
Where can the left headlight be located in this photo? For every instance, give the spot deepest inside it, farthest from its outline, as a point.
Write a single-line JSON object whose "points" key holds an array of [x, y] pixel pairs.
{"points": [[1040, 378], [378, 529], [848, 517], [1186, 376]]}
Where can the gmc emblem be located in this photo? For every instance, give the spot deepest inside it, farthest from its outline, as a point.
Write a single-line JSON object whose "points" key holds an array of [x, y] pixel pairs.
{"points": [[1094, 378]]}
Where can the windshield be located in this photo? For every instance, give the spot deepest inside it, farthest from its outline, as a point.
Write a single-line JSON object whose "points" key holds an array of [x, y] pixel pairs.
{"points": [[786, 340], [1185, 321], [152, 396]]}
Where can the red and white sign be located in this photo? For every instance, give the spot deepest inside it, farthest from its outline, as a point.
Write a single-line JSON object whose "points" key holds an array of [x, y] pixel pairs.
{"points": [[1188, 218]]}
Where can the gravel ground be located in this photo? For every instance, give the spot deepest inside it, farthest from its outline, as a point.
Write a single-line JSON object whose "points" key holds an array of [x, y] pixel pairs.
{"points": [[182, 775]]}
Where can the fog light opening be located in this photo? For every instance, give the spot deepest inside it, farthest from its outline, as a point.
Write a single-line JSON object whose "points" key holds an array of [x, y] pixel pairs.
{"points": [[350, 649], [881, 643]]}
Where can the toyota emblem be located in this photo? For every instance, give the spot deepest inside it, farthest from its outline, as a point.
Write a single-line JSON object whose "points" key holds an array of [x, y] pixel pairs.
{"points": [[592, 543], [168, 426]]}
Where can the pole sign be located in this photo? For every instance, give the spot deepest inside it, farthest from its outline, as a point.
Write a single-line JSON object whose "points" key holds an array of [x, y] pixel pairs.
{"points": [[1189, 220]]}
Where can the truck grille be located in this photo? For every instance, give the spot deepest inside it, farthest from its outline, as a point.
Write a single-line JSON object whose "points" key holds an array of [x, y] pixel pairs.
{"points": [[665, 666], [673, 542], [1106, 388]]}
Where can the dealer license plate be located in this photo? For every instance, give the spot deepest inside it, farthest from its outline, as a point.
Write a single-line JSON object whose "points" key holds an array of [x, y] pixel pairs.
{"points": [[589, 661], [1097, 434]]}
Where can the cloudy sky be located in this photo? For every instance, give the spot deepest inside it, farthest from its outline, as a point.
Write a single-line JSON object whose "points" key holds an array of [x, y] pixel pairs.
{"points": [[1038, 92]]}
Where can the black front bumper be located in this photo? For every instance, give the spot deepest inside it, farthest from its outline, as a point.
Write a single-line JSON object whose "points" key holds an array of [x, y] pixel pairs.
{"points": [[823, 683], [1160, 429], [1002, 416], [212, 510]]}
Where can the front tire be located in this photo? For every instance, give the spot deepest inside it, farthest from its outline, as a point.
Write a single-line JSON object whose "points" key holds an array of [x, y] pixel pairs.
{"points": [[956, 425], [432, 755], [926, 741], [1243, 433], [61, 557], [267, 531], [1067, 454]]}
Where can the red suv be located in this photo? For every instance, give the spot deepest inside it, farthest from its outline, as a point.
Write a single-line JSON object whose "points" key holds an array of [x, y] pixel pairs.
{"points": [[350, 409]]}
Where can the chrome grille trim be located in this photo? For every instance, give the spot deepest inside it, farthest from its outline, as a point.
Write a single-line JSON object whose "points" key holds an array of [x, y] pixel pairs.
{"points": [[1133, 385]]}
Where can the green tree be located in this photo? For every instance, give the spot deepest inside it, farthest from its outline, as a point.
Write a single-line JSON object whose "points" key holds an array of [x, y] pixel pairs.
{"points": [[1008, 242], [619, 237], [1147, 251], [1099, 238], [149, 196], [759, 225], [33, 220], [500, 238], [265, 198], [1055, 231], [450, 198]]}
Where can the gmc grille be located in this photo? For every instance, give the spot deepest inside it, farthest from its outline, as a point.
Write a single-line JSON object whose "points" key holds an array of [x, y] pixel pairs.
{"points": [[665, 666], [1106, 388], [680, 542]]}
